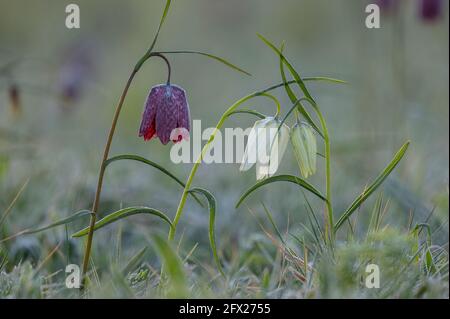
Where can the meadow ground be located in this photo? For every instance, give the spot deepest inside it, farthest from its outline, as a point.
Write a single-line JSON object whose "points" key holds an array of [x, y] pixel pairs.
{"points": [[275, 244]]}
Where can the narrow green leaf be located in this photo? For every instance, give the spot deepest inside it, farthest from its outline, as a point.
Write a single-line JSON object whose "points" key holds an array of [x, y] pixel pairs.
{"points": [[123, 213], [324, 79], [378, 181], [64, 221], [150, 163], [212, 56], [247, 111], [274, 225], [212, 218], [429, 261], [173, 267], [299, 82], [288, 89], [294, 73], [281, 178], [161, 22]]}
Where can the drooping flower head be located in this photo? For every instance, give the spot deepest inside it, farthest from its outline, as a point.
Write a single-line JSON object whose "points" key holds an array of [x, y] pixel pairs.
{"points": [[166, 114], [304, 144], [266, 145]]}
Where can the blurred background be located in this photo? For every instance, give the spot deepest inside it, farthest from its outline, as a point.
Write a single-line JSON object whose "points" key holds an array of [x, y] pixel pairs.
{"points": [[59, 88]]}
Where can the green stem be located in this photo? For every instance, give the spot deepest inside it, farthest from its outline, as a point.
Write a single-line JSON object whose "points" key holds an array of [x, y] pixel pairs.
{"points": [[103, 165], [326, 138], [101, 174], [328, 177]]}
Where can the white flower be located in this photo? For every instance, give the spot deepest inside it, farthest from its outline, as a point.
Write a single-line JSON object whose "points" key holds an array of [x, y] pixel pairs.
{"points": [[266, 145], [304, 144]]}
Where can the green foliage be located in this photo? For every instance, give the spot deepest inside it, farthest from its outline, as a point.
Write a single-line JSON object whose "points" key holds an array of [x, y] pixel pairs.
{"points": [[212, 217], [123, 213], [281, 178], [373, 186]]}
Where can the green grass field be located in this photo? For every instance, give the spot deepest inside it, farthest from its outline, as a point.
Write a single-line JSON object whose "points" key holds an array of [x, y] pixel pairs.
{"points": [[361, 192]]}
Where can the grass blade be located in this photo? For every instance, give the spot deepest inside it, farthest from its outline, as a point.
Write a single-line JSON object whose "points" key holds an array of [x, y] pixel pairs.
{"points": [[281, 178], [173, 267], [150, 163], [60, 222], [212, 218], [369, 190], [272, 222], [123, 213], [13, 202], [209, 55]]}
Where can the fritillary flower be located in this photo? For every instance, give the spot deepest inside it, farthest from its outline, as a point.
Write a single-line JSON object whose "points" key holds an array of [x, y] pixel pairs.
{"points": [[166, 114], [304, 143], [266, 145]]}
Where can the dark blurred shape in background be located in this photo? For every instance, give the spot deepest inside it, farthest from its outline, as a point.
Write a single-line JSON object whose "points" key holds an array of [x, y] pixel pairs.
{"points": [[430, 10], [76, 70], [14, 98]]}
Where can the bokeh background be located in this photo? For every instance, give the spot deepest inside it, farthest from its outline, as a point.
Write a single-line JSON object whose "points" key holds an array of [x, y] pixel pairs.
{"points": [[68, 83]]}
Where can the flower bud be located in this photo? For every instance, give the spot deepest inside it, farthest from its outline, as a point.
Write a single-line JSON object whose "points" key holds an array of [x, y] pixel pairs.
{"points": [[303, 140]]}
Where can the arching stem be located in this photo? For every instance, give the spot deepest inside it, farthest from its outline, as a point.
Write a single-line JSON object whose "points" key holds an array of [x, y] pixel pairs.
{"points": [[101, 174]]}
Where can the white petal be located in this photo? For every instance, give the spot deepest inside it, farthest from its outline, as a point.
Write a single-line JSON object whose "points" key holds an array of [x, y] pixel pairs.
{"points": [[278, 149], [262, 171], [249, 158]]}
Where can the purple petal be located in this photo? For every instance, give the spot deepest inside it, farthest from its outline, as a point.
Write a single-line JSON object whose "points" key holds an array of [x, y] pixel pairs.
{"points": [[184, 116], [167, 113], [154, 98]]}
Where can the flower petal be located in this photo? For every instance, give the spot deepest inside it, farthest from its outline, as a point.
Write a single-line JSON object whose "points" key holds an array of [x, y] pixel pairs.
{"points": [[250, 156], [279, 145], [147, 128], [166, 115], [178, 134], [184, 116]]}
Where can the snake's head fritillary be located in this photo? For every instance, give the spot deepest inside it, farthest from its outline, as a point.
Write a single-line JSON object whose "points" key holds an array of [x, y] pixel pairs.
{"points": [[166, 114]]}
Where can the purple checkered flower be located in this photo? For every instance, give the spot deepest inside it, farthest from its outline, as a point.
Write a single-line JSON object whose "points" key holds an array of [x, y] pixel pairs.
{"points": [[166, 114]]}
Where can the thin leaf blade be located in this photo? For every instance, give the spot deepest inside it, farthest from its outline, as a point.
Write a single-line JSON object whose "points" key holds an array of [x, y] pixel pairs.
{"points": [[61, 222], [211, 56], [248, 111], [281, 178], [212, 217], [299, 82], [123, 213], [173, 267], [374, 185]]}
